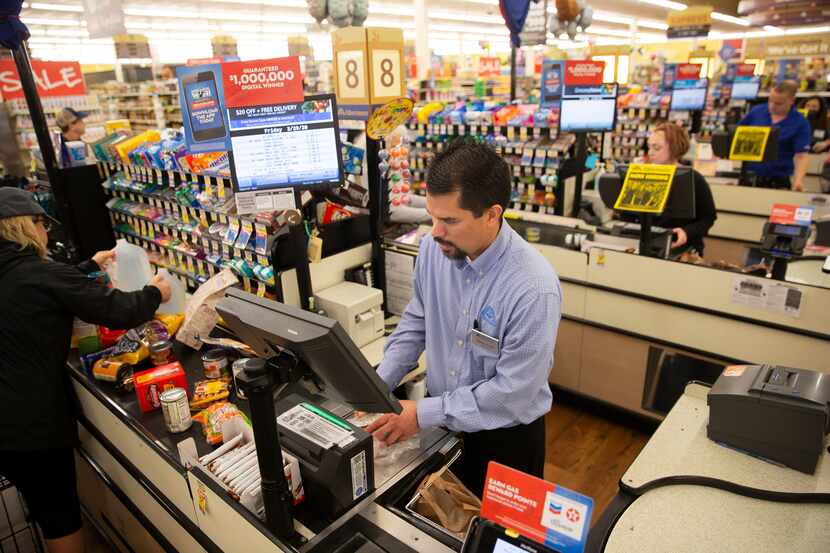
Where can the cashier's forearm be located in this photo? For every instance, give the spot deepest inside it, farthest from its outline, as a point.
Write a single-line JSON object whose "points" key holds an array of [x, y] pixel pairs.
{"points": [[801, 161]]}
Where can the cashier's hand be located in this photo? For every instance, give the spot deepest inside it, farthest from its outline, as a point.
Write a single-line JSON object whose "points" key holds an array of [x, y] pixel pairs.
{"points": [[391, 429], [681, 237], [821, 146], [103, 258], [164, 287]]}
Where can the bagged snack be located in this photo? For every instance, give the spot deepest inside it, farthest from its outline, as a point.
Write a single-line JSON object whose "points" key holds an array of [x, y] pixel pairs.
{"points": [[206, 392], [214, 417]]}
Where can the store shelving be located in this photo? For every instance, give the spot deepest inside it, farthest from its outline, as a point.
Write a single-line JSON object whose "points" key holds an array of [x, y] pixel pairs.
{"points": [[148, 105]]}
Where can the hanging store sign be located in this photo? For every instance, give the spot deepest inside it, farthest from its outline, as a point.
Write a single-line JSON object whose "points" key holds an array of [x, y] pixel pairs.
{"points": [[694, 21], [489, 66], [787, 46], [201, 98], [688, 71], [262, 82], [104, 18], [552, 83], [53, 78]]}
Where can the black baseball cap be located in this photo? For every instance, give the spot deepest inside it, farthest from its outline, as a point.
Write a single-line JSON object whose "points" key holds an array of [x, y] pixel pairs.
{"points": [[15, 202]]}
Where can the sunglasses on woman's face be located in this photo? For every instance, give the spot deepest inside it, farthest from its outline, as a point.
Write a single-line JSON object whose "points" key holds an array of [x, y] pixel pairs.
{"points": [[46, 222]]}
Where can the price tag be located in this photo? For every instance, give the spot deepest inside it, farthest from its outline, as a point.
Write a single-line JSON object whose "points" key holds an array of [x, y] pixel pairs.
{"points": [[203, 218], [462, 130], [185, 215], [262, 260], [511, 133], [220, 188], [209, 185], [201, 266], [190, 266], [246, 284], [260, 289], [523, 134], [157, 173], [171, 178], [151, 232]]}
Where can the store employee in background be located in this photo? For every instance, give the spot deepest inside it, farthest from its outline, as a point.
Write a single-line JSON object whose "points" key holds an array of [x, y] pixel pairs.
{"points": [[666, 146], [72, 126], [486, 307], [793, 141]]}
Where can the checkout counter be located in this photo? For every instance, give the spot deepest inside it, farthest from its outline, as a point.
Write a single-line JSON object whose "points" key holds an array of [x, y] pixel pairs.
{"points": [[143, 495], [687, 493]]}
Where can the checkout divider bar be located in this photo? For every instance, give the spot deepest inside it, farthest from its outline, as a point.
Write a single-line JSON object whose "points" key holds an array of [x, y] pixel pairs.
{"points": [[180, 518]]}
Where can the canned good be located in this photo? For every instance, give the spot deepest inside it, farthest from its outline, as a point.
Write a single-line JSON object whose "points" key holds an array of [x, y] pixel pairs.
{"points": [[176, 410], [215, 363], [161, 352], [237, 367]]}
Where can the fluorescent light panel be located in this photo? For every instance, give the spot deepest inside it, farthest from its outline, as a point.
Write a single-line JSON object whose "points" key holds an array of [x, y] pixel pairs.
{"points": [[730, 19], [668, 4]]}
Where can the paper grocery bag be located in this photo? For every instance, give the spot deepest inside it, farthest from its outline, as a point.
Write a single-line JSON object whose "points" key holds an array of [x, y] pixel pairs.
{"points": [[447, 502]]}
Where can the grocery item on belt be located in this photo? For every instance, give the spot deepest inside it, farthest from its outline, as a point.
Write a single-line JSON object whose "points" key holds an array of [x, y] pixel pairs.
{"points": [[206, 392], [150, 384], [117, 372], [213, 417]]}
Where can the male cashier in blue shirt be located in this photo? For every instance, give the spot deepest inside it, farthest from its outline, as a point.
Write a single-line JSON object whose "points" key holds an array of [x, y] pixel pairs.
{"points": [[486, 307], [793, 141]]}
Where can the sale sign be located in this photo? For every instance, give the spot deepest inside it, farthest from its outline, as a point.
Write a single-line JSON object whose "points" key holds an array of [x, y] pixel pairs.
{"points": [[786, 214], [539, 510], [263, 82], [688, 71], [52, 78], [583, 72], [744, 69], [489, 66]]}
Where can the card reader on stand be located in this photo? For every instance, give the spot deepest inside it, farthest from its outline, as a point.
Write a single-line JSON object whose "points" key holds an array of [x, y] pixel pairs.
{"points": [[320, 347], [783, 242]]}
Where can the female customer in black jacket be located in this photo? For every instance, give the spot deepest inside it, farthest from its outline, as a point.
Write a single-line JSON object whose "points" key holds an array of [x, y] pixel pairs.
{"points": [[667, 145], [39, 299]]}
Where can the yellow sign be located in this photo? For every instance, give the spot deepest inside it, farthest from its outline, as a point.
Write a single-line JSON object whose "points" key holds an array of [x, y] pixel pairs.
{"points": [[805, 112], [646, 188], [387, 118], [693, 16], [749, 143]]}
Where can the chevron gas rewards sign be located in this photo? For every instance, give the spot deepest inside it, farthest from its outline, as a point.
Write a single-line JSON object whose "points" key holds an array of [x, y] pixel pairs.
{"points": [[583, 72], [542, 511]]}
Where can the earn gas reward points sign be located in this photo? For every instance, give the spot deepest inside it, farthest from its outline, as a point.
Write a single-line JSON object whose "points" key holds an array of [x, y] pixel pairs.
{"points": [[262, 82], [53, 78], [538, 510]]}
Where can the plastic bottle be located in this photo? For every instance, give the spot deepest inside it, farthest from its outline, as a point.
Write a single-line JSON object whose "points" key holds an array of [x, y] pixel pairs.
{"points": [[132, 271], [177, 296]]}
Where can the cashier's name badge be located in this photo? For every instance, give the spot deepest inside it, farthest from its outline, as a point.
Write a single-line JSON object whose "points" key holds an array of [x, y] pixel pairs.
{"points": [[484, 341]]}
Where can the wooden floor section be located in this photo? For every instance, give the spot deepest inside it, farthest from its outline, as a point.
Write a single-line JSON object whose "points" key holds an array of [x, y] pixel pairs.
{"points": [[588, 450]]}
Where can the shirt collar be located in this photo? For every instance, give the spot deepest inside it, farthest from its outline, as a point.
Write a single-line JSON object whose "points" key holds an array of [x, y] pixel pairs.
{"points": [[493, 253]]}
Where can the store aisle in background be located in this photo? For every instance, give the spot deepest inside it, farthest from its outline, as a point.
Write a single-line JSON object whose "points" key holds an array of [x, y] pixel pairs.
{"points": [[589, 447]]}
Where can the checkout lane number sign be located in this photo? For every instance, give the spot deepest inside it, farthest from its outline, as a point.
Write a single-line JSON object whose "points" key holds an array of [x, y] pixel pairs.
{"points": [[646, 188]]}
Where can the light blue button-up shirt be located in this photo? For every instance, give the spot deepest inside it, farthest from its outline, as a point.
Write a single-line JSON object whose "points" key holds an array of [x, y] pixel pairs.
{"points": [[510, 293]]}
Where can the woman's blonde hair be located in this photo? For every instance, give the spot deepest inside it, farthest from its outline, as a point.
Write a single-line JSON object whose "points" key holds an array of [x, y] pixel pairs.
{"points": [[22, 230]]}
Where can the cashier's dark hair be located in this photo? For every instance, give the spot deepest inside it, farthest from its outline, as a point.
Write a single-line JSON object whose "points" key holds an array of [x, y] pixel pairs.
{"points": [[474, 169]]}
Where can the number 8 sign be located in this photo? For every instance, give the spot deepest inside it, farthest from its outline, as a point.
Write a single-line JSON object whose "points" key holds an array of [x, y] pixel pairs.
{"points": [[386, 73], [351, 75]]}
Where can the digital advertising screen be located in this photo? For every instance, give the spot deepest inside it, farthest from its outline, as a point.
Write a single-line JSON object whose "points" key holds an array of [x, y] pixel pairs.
{"points": [[689, 95], [588, 108], [745, 90], [285, 145]]}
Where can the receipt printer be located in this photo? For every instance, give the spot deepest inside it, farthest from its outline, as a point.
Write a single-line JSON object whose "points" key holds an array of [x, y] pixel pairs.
{"points": [[357, 308], [336, 458], [777, 413]]}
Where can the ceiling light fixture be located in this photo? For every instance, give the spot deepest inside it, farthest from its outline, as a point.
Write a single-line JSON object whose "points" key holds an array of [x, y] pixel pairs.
{"points": [[730, 19], [56, 7], [668, 4]]}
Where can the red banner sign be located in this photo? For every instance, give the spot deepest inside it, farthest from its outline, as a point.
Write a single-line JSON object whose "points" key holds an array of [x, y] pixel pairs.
{"points": [[688, 71], [745, 70], [262, 82], [203, 61], [53, 78], [583, 72]]}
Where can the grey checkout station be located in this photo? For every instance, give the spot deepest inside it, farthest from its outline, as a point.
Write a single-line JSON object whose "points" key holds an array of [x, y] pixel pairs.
{"points": [[740, 467]]}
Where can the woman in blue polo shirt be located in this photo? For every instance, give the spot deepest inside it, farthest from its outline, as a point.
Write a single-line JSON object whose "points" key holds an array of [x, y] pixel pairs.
{"points": [[793, 141]]}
